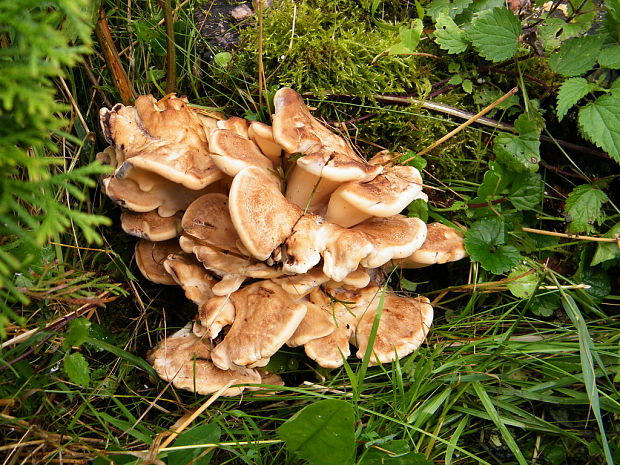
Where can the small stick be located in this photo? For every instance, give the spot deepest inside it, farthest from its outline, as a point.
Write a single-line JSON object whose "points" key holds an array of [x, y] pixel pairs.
{"points": [[459, 128], [261, 69], [171, 60], [119, 75], [573, 236]]}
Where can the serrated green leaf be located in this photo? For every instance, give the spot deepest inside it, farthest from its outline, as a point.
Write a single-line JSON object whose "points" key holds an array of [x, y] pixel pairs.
{"points": [[606, 251], [449, 7], [78, 332], [571, 91], [524, 286], [494, 34], [526, 191], [321, 433], [576, 56], [203, 434], [522, 152], [583, 208], [600, 121], [610, 57], [449, 36], [77, 369], [484, 242]]}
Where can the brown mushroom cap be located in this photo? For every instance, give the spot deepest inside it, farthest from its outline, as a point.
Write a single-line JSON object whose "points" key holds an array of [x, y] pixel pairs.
{"points": [[402, 328], [231, 152], [207, 219], [262, 216], [151, 226], [215, 314], [385, 195], [393, 237], [185, 361], [189, 273], [318, 322], [443, 244], [150, 257], [235, 124], [262, 135], [298, 285], [265, 318], [344, 252]]}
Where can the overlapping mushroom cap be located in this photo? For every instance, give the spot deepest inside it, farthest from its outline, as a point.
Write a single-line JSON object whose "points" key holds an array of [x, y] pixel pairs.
{"points": [[268, 261]]}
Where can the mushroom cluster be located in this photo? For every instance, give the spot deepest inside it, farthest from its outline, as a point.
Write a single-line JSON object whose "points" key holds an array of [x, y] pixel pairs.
{"points": [[279, 234]]}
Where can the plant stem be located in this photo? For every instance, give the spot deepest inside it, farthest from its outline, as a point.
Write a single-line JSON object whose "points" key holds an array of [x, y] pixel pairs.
{"points": [[171, 60]]}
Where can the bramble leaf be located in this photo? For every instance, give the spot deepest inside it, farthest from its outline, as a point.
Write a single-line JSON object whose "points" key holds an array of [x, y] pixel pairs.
{"points": [[576, 56], [606, 251], [610, 57], [418, 209], [583, 208], [571, 91], [494, 34], [203, 434], [450, 7], [322, 433], [449, 36], [522, 152], [77, 369], [485, 243], [600, 121], [77, 334]]}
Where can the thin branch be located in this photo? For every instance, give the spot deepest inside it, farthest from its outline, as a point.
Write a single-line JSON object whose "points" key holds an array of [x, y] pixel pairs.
{"points": [[171, 55]]}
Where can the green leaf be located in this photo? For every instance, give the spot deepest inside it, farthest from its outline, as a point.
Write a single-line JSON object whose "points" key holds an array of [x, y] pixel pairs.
{"points": [[526, 192], [409, 38], [77, 369], [522, 152], [450, 7], [468, 86], [408, 285], [393, 453], [545, 305], [610, 57], [583, 208], [222, 59], [203, 434], [606, 251], [571, 91], [600, 121], [494, 34], [77, 334], [576, 56], [449, 36], [524, 286], [321, 433], [418, 209], [484, 242]]}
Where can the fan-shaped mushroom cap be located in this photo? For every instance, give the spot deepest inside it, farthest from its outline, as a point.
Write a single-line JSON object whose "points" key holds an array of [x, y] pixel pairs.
{"points": [[235, 124], [262, 216], [303, 248], [344, 252], [266, 317], [207, 219], [215, 314], [325, 155], [150, 257], [110, 156], [150, 225], [189, 273], [298, 285], [443, 244], [402, 328], [166, 138], [393, 237], [232, 152], [163, 195], [262, 135], [185, 361], [318, 322], [386, 195]]}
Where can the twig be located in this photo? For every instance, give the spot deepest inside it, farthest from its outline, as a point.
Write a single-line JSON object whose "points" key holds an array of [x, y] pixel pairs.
{"points": [[459, 128], [171, 60], [573, 236], [119, 75], [261, 68]]}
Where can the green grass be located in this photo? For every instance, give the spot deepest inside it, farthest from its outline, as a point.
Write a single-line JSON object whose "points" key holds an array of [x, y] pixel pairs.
{"points": [[495, 383]]}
